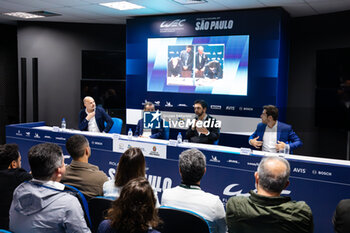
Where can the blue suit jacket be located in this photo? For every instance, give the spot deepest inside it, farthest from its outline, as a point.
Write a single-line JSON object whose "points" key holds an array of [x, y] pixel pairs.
{"points": [[156, 133], [101, 117], [285, 134]]}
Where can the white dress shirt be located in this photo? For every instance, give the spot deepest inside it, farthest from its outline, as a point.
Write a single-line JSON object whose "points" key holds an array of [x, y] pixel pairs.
{"points": [[92, 125], [270, 139]]}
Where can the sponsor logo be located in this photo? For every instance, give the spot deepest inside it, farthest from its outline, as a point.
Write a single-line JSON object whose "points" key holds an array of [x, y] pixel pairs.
{"points": [[182, 105], [27, 134], [19, 133], [217, 107], [248, 109], [60, 138], [154, 151], [112, 163], [36, 135], [204, 25], [214, 159], [231, 108], [145, 102], [299, 170], [322, 173], [47, 136], [172, 24], [253, 164], [157, 103], [168, 104], [233, 161], [234, 190], [97, 143]]}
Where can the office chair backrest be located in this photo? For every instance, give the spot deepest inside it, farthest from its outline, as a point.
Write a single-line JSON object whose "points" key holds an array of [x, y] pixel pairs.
{"points": [[117, 126], [98, 207], [177, 220], [83, 202]]}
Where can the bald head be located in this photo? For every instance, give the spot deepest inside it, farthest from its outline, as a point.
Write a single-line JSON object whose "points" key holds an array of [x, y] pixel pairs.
{"points": [[89, 103], [273, 174]]}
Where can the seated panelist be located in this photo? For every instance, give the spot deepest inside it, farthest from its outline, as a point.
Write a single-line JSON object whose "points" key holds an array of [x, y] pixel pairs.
{"points": [[141, 131], [92, 118]]}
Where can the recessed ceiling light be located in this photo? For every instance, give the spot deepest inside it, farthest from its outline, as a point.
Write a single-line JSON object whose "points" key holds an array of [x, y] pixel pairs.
{"points": [[188, 2], [123, 5], [23, 15]]}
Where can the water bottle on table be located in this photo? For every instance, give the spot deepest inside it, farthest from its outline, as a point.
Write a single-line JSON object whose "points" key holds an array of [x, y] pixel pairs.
{"points": [[130, 134], [179, 138], [63, 124]]}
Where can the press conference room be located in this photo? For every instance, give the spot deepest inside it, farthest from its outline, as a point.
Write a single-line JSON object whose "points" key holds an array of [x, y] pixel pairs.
{"points": [[231, 86]]}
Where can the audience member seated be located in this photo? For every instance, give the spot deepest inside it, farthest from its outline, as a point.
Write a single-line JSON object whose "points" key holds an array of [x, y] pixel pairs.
{"points": [[131, 165], [80, 173], [266, 211], [11, 175], [41, 205], [189, 196], [134, 211], [341, 218], [148, 132]]}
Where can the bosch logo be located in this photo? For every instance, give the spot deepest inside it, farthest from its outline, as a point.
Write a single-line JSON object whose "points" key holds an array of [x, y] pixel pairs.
{"points": [[174, 23]]}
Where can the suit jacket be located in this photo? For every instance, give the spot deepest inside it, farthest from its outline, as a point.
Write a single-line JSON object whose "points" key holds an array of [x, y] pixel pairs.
{"points": [[156, 133], [285, 134], [189, 60], [200, 65], [176, 71], [101, 117], [193, 136], [217, 73]]}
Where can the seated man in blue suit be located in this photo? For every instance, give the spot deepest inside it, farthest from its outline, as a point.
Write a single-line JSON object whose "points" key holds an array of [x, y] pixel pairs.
{"points": [[149, 133], [272, 135], [92, 118]]}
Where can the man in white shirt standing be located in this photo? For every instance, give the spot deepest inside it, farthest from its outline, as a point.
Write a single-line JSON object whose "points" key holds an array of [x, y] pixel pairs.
{"points": [[272, 135], [93, 118], [189, 196]]}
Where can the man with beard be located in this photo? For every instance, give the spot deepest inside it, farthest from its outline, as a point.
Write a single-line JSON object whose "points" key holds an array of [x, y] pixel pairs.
{"points": [[197, 132]]}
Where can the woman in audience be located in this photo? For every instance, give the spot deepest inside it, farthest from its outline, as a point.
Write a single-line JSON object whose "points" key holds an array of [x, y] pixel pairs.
{"points": [[131, 165], [134, 211]]}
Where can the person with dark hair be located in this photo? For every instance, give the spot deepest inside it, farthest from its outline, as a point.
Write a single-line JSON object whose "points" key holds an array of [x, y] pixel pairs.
{"points": [[341, 217], [131, 165], [146, 132], [93, 118], [80, 173], [42, 205], [204, 128], [134, 211], [272, 135], [266, 211], [213, 70], [186, 57], [11, 175], [189, 196]]}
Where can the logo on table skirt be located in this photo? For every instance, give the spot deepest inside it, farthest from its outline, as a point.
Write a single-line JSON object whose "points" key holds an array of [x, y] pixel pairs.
{"points": [[152, 120], [154, 148], [214, 159], [154, 151], [19, 133]]}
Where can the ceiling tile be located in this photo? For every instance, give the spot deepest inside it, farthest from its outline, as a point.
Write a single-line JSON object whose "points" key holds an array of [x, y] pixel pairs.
{"points": [[323, 7]]}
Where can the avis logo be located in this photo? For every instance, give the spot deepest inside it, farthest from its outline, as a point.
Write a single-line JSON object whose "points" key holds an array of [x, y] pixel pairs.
{"points": [[174, 23], [299, 170]]}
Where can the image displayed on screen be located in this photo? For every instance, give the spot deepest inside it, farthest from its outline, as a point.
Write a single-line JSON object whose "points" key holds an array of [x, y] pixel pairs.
{"points": [[206, 65]]}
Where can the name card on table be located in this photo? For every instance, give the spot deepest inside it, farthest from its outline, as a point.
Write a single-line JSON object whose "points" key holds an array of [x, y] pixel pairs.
{"points": [[245, 151]]}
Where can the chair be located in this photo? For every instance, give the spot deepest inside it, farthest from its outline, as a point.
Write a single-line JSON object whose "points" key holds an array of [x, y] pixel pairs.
{"points": [[184, 221], [98, 207], [84, 204], [117, 126]]}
